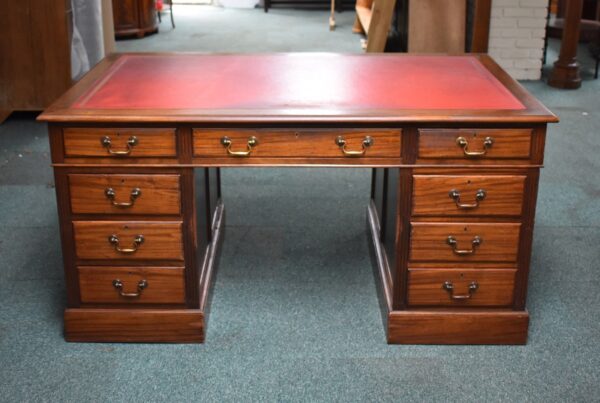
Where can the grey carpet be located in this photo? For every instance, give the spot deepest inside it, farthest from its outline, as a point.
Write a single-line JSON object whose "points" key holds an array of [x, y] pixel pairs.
{"points": [[295, 315]]}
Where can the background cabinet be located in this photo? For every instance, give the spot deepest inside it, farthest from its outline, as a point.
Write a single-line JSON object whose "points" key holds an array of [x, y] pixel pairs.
{"points": [[35, 54], [134, 17]]}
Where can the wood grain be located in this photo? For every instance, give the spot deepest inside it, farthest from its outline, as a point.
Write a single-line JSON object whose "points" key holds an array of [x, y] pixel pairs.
{"points": [[160, 194], [495, 287], [474, 327], [135, 325], [504, 195], [87, 142], [297, 143], [500, 242], [508, 143], [165, 285], [162, 240]]}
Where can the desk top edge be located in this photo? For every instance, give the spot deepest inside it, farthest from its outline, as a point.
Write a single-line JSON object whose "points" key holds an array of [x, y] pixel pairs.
{"points": [[63, 110]]}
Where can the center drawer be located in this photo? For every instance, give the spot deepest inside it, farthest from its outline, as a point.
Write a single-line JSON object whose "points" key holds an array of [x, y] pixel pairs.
{"points": [[132, 285], [132, 240], [124, 194], [301, 143]]}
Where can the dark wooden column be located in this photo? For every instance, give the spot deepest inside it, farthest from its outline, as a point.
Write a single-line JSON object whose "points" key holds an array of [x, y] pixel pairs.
{"points": [[565, 73]]}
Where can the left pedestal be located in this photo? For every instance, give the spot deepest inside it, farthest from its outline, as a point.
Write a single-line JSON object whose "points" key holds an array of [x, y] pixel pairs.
{"points": [[139, 236]]}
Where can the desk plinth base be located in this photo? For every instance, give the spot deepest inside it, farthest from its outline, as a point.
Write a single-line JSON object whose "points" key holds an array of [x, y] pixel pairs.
{"points": [[151, 325], [440, 326]]}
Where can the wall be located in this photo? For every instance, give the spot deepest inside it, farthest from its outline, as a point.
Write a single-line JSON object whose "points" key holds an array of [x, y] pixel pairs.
{"points": [[517, 31]]}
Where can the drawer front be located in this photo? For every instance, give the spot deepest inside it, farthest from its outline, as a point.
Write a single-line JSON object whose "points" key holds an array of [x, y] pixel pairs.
{"points": [[452, 195], [119, 143], [125, 194], [459, 242], [475, 143], [132, 285], [130, 240], [458, 287], [300, 143]]}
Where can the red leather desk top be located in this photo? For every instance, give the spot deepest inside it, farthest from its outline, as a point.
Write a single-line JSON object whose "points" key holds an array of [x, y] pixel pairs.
{"points": [[292, 82]]}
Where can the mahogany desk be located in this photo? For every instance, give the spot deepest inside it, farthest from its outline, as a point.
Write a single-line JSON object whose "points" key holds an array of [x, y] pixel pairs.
{"points": [[455, 145]]}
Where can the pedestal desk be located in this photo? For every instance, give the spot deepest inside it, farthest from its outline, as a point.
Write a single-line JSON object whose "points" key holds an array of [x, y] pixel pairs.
{"points": [[455, 146]]}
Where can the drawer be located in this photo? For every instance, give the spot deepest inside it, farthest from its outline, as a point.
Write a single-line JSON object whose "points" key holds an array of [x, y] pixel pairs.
{"points": [[475, 143], [463, 195], [132, 285], [459, 287], [128, 240], [302, 143], [119, 143], [125, 194], [458, 242]]}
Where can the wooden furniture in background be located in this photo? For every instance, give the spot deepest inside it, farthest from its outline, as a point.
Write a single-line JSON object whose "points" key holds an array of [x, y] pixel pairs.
{"points": [[429, 26], [373, 18], [456, 165], [35, 49], [437, 26], [589, 25], [134, 17], [480, 29], [340, 5], [108, 27], [166, 5], [565, 73]]}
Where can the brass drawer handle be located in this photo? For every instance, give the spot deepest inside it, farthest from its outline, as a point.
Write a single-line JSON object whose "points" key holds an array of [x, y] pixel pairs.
{"points": [[448, 286], [118, 284], [479, 196], [111, 195], [252, 141], [462, 252], [462, 142], [107, 143], [137, 241], [366, 143]]}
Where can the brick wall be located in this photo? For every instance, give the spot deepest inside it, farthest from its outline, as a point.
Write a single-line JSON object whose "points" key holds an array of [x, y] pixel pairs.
{"points": [[517, 31]]}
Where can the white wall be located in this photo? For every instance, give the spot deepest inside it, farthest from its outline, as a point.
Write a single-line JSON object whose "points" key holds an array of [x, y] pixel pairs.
{"points": [[517, 31]]}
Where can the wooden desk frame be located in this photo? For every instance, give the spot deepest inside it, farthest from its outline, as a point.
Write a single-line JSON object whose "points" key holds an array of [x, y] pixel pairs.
{"points": [[390, 213]]}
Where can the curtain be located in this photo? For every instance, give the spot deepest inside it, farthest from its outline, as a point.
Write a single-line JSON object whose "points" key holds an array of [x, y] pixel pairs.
{"points": [[87, 46]]}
